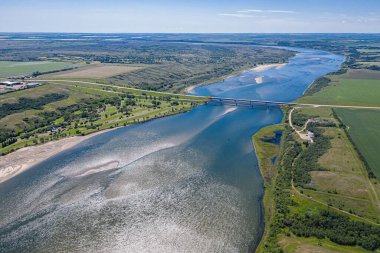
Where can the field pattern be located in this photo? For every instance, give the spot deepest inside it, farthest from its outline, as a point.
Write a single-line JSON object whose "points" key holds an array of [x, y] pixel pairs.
{"points": [[363, 127], [9, 68], [356, 92], [97, 71], [169, 66]]}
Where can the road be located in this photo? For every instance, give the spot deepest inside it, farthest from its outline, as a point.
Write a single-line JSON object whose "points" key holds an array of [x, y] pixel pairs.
{"points": [[302, 136], [335, 208], [115, 86], [214, 98], [373, 190], [299, 132]]}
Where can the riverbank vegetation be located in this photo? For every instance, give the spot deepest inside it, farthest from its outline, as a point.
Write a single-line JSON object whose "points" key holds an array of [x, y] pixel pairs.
{"points": [[61, 109], [318, 197], [96, 92], [322, 195], [332, 201], [267, 153]]}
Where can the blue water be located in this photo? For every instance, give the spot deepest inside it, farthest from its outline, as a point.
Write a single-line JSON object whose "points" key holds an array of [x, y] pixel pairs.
{"points": [[276, 139], [186, 183]]}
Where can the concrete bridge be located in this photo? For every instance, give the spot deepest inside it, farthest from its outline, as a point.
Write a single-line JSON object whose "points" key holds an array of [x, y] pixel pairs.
{"points": [[266, 103], [246, 102], [220, 100]]}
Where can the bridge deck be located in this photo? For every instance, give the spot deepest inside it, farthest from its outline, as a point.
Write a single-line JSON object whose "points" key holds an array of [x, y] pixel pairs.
{"points": [[245, 102]]}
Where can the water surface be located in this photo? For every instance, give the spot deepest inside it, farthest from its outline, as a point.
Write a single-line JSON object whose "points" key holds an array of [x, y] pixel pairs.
{"points": [[185, 183]]}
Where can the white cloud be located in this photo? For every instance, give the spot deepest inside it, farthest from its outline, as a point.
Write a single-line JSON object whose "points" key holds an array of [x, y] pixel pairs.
{"points": [[236, 15], [254, 13], [264, 11]]}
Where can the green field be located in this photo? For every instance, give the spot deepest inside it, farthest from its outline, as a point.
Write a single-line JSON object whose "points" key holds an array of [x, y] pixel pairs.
{"points": [[365, 133], [10, 68], [341, 187], [356, 92]]}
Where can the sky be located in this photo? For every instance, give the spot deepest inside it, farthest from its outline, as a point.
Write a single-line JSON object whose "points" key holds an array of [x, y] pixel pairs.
{"points": [[191, 16]]}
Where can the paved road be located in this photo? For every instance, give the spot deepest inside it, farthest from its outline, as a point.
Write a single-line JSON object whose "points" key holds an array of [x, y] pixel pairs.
{"points": [[255, 101], [217, 98], [114, 86]]}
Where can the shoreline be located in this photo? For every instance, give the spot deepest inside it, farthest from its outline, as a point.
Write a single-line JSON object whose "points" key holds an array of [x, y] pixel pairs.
{"points": [[259, 68], [14, 163], [264, 152], [23, 159]]}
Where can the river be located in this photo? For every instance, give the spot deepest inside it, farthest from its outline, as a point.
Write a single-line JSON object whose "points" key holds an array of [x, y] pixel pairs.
{"points": [[185, 183]]}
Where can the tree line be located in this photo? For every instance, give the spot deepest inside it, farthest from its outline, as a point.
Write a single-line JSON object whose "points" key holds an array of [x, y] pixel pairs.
{"points": [[295, 162], [30, 103]]}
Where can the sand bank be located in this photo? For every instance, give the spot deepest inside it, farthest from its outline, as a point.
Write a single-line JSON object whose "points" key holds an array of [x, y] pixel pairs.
{"points": [[259, 79], [189, 90], [16, 162], [268, 66]]}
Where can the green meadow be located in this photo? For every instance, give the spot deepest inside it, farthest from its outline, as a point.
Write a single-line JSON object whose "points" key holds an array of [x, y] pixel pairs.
{"points": [[363, 127], [356, 92], [10, 68]]}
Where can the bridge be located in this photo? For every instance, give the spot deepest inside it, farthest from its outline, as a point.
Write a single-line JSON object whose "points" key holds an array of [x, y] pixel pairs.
{"points": [[246, 102], [220, 100], [266, 103]]}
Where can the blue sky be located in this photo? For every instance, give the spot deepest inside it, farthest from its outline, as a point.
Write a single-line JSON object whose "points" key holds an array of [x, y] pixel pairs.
{"points": [[218, 16]]}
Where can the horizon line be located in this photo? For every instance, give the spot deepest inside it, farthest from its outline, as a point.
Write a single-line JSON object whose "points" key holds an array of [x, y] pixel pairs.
{"points": [[191, 32]]}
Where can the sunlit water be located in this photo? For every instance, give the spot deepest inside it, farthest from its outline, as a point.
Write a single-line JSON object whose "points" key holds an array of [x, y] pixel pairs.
{"points": [[186, 183]]}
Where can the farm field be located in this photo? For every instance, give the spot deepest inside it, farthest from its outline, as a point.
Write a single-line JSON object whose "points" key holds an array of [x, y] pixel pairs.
{"points": [[363, 127], [363, 73], [10, 68], [98, 95], [96, 71], [343, 182], [167, 66], [341, 91], [368, 64], [338, 183]]}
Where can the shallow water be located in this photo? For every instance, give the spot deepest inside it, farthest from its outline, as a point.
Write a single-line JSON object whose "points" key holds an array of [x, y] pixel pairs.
{"points": [[186, 183]]}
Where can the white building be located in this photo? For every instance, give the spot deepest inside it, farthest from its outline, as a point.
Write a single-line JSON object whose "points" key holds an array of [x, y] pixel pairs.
{"points": [[9, 83]]}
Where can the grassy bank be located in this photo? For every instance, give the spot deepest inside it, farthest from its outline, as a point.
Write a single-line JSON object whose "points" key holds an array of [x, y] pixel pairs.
{"points": [[266, 152], [61, 109]]}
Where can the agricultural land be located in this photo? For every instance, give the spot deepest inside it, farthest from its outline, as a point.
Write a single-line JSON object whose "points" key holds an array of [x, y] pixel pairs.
{"points": [[324, 196], [17, 69], [91, 84]]}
